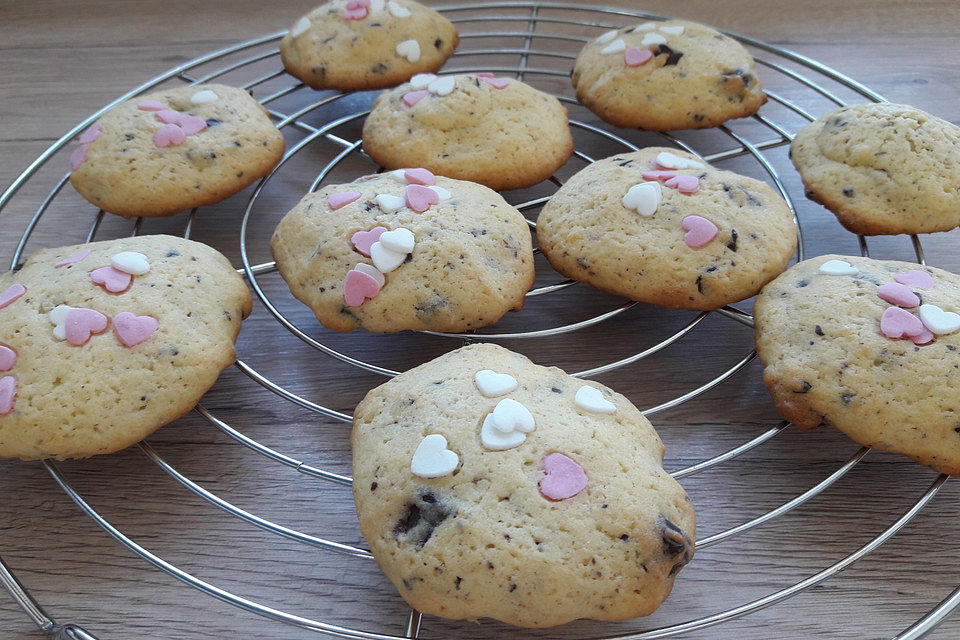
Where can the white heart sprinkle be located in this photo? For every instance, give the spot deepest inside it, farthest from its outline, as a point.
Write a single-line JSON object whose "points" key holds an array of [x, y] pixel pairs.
{"points": [[646, 26], [433, 459], [442, 86], [397, 10], [409, 49], [669, 160], [376, 5], [204, 96], [652, 38], [371, 271], [389, 203], [591, 399], [384, 259], [492, 384], [442, 193], [838, 268], [495, 440], [607, 37], [132, 262], [645, 198], [675, 30], [510, 415], [939, 322], [399, 175], [614, 47], [58, 316], [300, 28], [400, 240], [421, 80]]}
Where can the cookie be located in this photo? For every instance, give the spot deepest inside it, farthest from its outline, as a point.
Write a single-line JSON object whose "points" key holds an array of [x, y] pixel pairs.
{"points": [[366, 44], [496, 131], [405, 250], [882, 169], [869, 347], [103, 343], [176, 149], [490, 487], [662, 226], [667, 75]]}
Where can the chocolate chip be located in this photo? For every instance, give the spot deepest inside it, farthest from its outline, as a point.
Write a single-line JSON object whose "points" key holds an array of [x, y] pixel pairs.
{"points": [[172, 253], [438, 43], [698, 117], [732, 243], [555, 390], [700, 284], [513, 587], [423, 514], [848, 192], [673, 57], [674, 540], [212, 122], [802, 283], [804, 387], [457, 582], [625, 537], [847, 397], [582, 263], [818, 330], [379, 67], [625, 163]]}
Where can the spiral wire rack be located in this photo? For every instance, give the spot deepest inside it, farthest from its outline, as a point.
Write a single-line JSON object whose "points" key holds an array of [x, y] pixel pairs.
{"points": [[531, 19]]}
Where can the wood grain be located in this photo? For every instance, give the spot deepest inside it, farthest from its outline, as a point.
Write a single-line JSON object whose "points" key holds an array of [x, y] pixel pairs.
{"points": [[63, 60]]}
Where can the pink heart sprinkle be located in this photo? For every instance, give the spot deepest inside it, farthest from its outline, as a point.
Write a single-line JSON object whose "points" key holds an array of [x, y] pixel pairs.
{"points": [[113, 280], [657, 174], [699, 231], [898, 294], [563, 478], [357, 287], [497, 83], [363, 240], [355, 14], [192, 125], [897, 323], [80, 324], [8, 394], [419, 198], [77, 257], [168, 116], [634, 56], [131, 330], [169, 135], [8, 358], [916, 278], [342, 199], [420, 176], [11, 295], [151, 105], [92, 133], [684, 184], [924, 338], [483, 74], [413, 97], [78, 156]]}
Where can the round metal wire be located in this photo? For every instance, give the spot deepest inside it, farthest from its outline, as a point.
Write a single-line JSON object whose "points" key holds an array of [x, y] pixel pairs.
{"points": [[538, 28]]}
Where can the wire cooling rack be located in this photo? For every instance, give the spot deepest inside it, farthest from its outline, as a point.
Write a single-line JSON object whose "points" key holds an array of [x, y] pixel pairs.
{"points": [[536, 42]]}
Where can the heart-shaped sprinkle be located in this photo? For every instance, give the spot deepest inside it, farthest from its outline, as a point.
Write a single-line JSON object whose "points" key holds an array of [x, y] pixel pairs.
{"points": [[342, 199], [92, 133], [916, 278], [131, 330], [650, 39], [673, 30], [113, 280], [657, 174], [389, 203], [442, 193], [614, 47], [699, 231], [606, 37], [635, 56], [413, 97], [76, 325], [496, 440], [563, 478], [371, 271], [419, 198], [838, 268], [898, 294], [667, 160], [397, 10], [442, 86], [132, 262], [591, 399], [483, 74], [492, 384], [938, 321], [409, 49], [363, 240], [301, 27], [8, 394], [419, 176], [151, 105], [191, 125], [358, 287], [399, 174], [400, 240], [684, 184], [924, 338], [8, 358], [384, 259], [205, 96], [78, 156], [433, 459], [897, 323], [169, 135], [359, 13], [497, 83], [77, 257], [644, 198], [510, 415], [646, 26], [422, 80], [168, 116], [11, 295]]}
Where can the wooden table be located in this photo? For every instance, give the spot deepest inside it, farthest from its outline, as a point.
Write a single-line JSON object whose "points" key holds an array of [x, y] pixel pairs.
{"points": [[64, 60]]}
